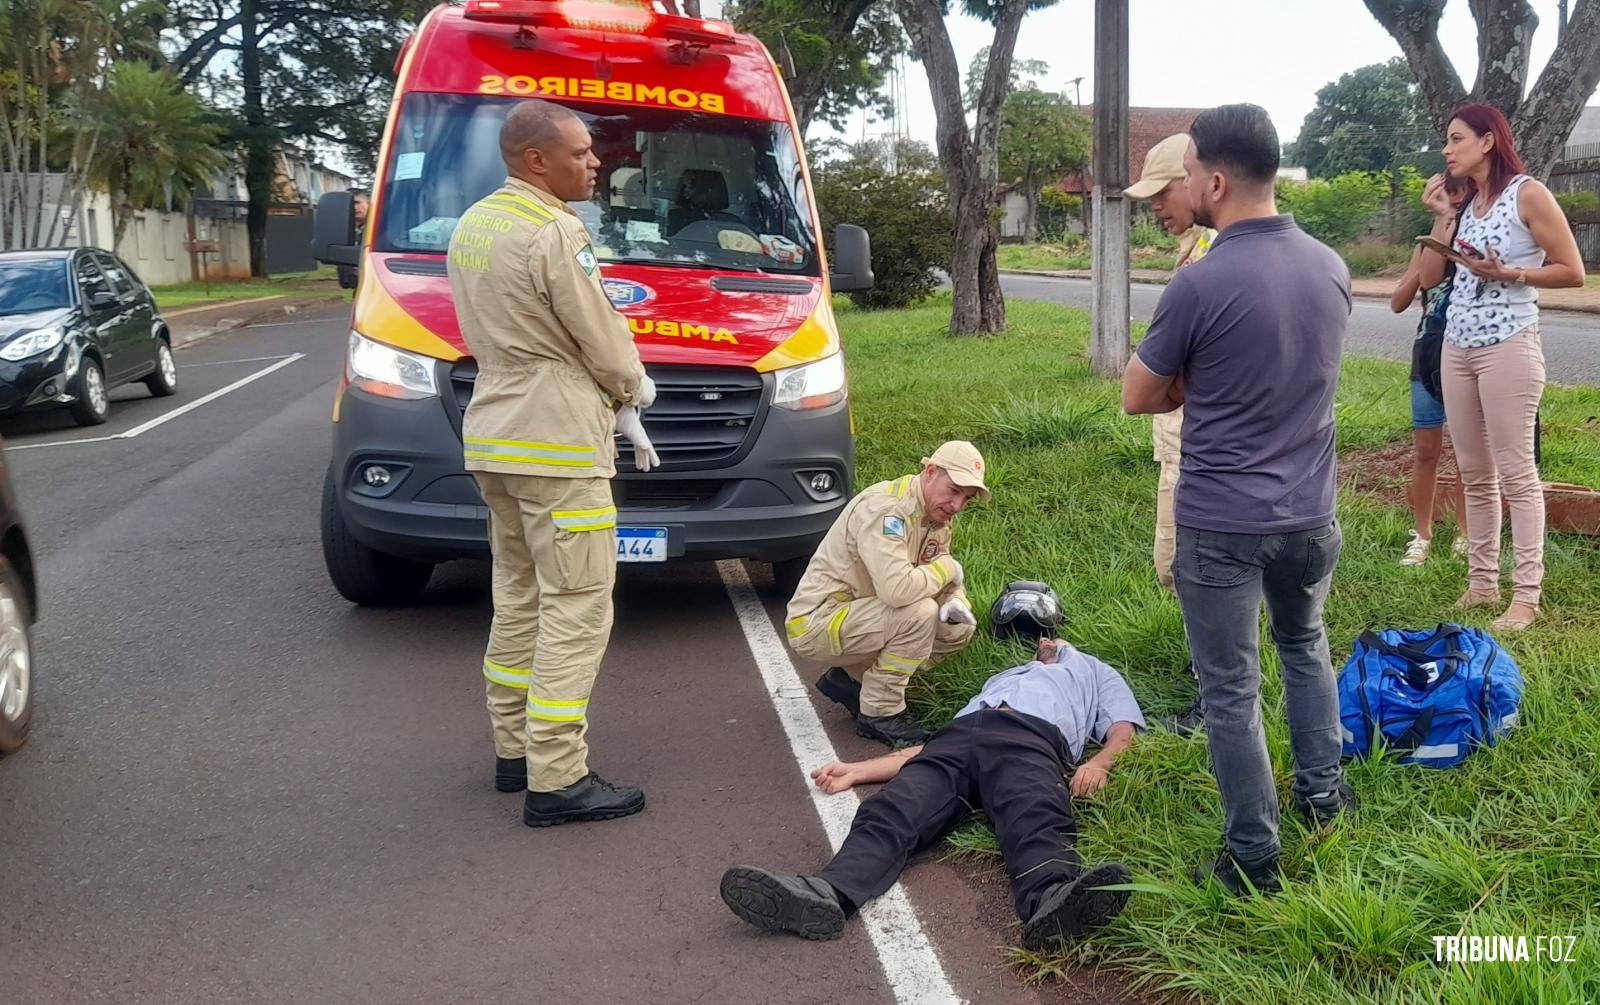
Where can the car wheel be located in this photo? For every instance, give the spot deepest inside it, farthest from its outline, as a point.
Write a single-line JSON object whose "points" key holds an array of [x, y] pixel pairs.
{"points": [[361, 574], [94, 402], [164, 382], [16, 660]]}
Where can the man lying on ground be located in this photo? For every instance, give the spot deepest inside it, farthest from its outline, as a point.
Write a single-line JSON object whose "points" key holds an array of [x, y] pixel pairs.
{"points": [[1007, 753]]}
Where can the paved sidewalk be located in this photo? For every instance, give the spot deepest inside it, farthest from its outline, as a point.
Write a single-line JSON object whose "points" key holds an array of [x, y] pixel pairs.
{"points": [[1585, 301], [191, 324]]}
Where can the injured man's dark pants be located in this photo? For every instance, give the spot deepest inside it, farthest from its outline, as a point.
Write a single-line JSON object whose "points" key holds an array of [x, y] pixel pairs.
{"points": [[1009, 765]]}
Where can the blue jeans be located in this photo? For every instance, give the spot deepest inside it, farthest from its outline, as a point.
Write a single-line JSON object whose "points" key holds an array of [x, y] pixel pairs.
{"points": [[1221, 581]]}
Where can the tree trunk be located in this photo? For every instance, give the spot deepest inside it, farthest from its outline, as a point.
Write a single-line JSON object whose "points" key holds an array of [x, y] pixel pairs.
{"points": [[1544, 119], [258, 147]]}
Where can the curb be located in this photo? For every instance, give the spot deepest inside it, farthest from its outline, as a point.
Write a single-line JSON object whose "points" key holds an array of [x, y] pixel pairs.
{"points": [[1358, 294], [222, 305], [279, 307]]}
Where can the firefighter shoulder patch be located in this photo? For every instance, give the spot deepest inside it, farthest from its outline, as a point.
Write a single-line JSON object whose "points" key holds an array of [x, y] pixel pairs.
{"points": [[894, 526], [586, 260]]}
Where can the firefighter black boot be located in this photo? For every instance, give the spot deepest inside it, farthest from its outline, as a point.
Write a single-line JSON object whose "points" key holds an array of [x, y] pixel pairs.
{"points": [[589, 798], [892, 729], [510, 774]]}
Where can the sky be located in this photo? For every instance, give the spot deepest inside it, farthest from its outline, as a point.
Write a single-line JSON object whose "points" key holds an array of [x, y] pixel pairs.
{"points": [[1275, 53]]}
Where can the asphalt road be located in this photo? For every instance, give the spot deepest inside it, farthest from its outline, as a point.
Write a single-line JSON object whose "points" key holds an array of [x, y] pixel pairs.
{"points": [[241, 788], [1571, 340]]}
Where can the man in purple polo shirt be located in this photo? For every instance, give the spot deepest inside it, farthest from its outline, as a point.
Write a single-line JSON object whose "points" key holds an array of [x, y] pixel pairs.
{"points": [[1249, 340]]}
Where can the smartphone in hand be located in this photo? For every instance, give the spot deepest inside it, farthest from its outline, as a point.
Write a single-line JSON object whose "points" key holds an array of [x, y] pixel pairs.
{"points": [[1441, 248]]}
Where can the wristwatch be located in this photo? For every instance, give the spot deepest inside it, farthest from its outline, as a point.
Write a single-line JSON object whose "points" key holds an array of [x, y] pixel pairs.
{"points": [[1522, 277]]}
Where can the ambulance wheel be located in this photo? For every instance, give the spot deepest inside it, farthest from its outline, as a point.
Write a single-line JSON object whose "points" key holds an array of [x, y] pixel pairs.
{"points": [[360, 574], [786, 575]]}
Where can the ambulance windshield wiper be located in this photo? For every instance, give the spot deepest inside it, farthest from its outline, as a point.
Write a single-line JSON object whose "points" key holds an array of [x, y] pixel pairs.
{"points": [[673, 263]]}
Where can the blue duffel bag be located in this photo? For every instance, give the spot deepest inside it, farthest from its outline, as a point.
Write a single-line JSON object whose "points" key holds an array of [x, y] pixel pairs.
{"points": [[1431, 698]]}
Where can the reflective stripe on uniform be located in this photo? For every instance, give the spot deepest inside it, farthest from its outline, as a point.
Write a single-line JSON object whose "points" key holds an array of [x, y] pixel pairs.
{"points": [[899, 487], [558, 455], [940, 571], [796, 627], [603, 518], [499, 673], [836, 626], [516, 205], [550, 710], [897, 664]]}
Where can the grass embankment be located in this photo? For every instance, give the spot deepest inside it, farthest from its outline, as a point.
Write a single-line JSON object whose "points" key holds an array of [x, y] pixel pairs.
{"points": [[323, 282], [1069, 258], [1507, 844]]}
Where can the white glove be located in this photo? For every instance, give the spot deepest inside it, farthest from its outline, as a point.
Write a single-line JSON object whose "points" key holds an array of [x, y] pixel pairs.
{"points": [[631, 426], [955, 612], [647, 394]]}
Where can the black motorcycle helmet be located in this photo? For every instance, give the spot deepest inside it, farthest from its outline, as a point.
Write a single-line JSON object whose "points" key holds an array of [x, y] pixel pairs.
{"points": [[1026, 609]]}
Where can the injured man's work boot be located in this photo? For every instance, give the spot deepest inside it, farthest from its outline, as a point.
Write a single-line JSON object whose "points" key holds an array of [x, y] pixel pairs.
{"points": [[1075, 907], [892, 729], [777, 902]]}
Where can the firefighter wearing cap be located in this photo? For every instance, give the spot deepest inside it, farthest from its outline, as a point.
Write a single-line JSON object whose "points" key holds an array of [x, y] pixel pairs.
{"points": [[554, 360], [884, 596], [1161, 182]]}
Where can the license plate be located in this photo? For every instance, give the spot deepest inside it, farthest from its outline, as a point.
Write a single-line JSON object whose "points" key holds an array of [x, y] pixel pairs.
{"points": [[641, 544]]}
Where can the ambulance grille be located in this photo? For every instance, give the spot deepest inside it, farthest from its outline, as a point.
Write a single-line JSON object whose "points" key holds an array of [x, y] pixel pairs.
{"points": [[703, 416]]}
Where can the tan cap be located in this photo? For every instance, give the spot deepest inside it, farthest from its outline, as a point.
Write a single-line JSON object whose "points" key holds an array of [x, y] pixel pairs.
{"points": [[962, 462], [1162, 164]]}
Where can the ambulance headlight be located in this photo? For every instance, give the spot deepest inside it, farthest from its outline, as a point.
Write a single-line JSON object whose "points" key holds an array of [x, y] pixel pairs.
{"points": [[814, 385], [384, 370]]}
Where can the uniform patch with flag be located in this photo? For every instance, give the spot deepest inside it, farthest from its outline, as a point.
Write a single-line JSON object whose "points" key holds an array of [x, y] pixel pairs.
{"points": [[893, 526], [587, 260]]}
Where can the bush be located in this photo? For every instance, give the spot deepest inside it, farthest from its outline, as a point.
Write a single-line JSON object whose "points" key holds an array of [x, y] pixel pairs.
{"points": [[1334, 210], [906, 214], [1578, 204], [1147, 233], [1371, 258]]}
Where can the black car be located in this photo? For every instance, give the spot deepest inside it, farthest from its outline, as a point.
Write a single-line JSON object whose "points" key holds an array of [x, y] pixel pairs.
{"points": [[74, 323], [19, 605]]}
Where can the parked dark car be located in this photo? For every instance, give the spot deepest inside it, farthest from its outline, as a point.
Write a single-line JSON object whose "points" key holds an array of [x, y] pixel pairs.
{"points": [[75, 323], [19, 605]]}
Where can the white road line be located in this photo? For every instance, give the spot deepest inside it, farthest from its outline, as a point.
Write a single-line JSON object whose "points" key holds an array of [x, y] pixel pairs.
{"points": [[226, 362], [159, 420], [909, 961]]}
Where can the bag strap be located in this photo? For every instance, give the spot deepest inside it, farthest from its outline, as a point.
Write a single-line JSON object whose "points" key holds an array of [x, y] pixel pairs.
{"points": [[1415, 656], [1415, 734]]}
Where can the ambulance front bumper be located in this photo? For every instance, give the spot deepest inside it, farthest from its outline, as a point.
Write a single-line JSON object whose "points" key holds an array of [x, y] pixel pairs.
{"points": [[403, 488]]}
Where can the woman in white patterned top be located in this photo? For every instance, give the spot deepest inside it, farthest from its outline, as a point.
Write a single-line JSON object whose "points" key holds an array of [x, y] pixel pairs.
{"points": [[1512, 241]]}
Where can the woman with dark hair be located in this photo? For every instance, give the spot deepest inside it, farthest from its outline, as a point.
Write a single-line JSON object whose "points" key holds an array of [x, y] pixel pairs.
{"points": [[1512, 240]]}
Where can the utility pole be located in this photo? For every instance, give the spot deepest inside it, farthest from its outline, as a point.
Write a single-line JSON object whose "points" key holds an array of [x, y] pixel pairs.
{"points": [[1561, 22], [1077, 92], [1110, 341]]}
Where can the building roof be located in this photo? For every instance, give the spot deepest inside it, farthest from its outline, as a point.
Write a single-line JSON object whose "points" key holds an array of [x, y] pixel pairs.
{"points": [[1146, 128]]}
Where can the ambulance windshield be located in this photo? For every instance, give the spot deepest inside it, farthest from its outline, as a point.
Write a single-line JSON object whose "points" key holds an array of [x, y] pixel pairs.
{"points": [[675, 188]]}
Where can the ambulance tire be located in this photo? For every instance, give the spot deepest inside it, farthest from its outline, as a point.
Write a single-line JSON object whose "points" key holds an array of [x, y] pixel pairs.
{"points": [[786, 575], [361, 574]]}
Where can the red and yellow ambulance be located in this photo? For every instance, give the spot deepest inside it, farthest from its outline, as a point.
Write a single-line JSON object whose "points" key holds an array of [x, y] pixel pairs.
{"points": [[709, 243]]}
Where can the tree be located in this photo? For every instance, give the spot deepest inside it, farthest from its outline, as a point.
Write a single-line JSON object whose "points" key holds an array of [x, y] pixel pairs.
{"points": [[969, 157], [893, 189], [294, 69], [842, 49], [158, 144], [1043, 136], [55, 54], [1364, 121], [1544, 115], [1025, 74]]}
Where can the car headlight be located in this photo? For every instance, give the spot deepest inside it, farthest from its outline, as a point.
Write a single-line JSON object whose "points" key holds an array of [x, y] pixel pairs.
{"points": [[814, 385], [33, 343], [373, 366]]}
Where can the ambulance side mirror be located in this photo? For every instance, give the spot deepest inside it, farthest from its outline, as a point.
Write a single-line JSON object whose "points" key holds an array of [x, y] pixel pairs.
{"points": [[852, 259], [333, 235]]}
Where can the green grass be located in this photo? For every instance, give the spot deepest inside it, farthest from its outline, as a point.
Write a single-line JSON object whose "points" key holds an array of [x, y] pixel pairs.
{"points": [[1054, 257], [322, 282], [1517, 827]]}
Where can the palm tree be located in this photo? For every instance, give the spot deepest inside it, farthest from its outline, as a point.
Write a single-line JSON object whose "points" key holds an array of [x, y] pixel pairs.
{"points": [[158, 143]]}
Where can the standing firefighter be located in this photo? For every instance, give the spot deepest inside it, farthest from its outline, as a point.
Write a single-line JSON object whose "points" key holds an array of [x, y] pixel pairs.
{"points": [[554, 361], [883, 596]]}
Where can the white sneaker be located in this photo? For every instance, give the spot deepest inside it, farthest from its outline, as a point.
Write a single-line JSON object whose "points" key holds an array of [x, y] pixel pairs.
{"points": [[1459, 547], [1417, 550]]}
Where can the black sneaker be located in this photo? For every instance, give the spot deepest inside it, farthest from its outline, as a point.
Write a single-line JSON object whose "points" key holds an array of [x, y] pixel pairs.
{"points": [[511, 774], [589, 798], [1188, 722], [892, 729], [1238, 878], [1322, 810], [775, 902], [1075, 908], [841, 688]]}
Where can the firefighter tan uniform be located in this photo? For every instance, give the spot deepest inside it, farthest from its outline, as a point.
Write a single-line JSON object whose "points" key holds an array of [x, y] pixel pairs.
{"points": [[1167, 432], [553, 355], [870, 599]]}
